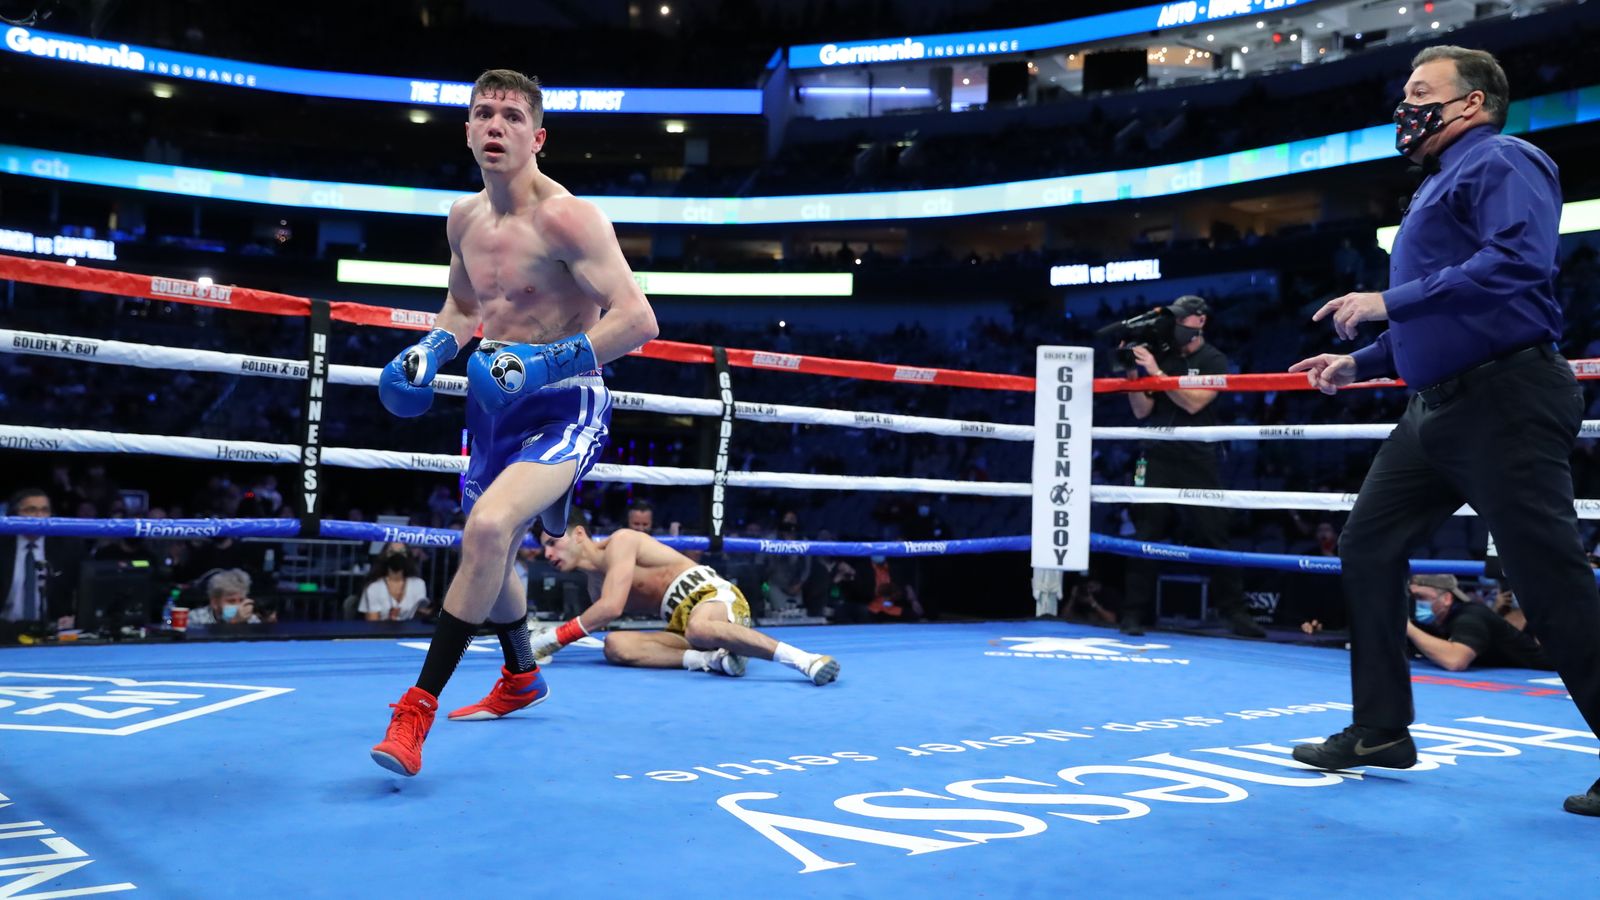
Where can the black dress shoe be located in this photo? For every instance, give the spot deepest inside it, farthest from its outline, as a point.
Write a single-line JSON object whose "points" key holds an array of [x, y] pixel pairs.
{"points": [[1244, 625], [1130, 626], [1359, 745], [1585, 804]]}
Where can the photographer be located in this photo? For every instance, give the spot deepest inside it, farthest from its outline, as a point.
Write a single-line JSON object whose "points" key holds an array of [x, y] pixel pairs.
{"points": [[228, 593], [1170, 342]]}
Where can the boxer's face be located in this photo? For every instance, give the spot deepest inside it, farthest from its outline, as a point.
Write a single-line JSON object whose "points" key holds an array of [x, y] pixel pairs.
{"points": [[561, 552], [501, 133]]}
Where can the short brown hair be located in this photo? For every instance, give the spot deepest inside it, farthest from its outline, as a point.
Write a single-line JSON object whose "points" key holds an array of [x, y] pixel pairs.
{"points": [[1476, 70], [497, 81]]}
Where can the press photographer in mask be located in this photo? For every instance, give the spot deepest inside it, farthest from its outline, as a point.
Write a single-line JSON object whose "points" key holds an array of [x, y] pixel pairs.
{"points": [[228, 601], [1179, 464]]}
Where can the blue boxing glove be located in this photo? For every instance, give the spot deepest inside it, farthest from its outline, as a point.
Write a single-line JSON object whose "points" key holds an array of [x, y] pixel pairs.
{"points": [[496, 378], [406, 384]]}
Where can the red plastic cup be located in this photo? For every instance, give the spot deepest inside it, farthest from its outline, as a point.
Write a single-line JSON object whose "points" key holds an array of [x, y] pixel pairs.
{"points": [[180, 619]]}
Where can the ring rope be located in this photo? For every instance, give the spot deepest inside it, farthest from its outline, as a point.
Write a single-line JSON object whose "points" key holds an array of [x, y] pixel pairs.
{"points": [[150, 356], [336, 529], [179, 290], [1229, 499], [67, 440], [1584, 369]]}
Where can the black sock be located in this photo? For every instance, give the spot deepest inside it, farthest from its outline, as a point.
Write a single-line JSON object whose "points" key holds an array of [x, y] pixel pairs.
{"points": [[515, 645], [451, 637]]}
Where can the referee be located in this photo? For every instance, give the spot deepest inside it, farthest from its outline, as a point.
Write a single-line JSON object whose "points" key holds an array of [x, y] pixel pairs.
{"points": [[1473, 321]]}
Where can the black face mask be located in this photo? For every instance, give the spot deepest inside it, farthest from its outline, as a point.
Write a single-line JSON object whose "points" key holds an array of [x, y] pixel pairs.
{"points": [[1183, 334], [395, 563], [1414, 122]]}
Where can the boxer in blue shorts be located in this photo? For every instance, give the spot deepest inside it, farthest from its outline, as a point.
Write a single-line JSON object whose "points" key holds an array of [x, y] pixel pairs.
{"points": [[536, 267], [568, 420]]}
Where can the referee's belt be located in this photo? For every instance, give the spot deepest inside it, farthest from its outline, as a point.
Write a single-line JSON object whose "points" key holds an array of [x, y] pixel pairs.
{"points": [[1446, 390]]}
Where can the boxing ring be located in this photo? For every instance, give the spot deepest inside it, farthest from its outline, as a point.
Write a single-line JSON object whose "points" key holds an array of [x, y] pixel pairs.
{"points": [[1007, 759]]}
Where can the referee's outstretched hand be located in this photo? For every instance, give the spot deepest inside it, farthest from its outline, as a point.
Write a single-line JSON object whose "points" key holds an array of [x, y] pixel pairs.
{"points": [[1350, 311], [1327, 372]]}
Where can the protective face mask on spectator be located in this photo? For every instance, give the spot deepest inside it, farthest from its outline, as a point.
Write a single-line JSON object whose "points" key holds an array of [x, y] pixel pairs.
{"points": [[230, 611], [1424, 612]]}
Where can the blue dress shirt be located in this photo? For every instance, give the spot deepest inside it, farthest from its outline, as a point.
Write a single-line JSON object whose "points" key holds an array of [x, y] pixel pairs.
{"points": [[1472, 272]]}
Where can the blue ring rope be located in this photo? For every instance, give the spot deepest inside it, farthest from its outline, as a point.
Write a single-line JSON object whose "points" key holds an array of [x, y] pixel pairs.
{"points": [[336, 529]]}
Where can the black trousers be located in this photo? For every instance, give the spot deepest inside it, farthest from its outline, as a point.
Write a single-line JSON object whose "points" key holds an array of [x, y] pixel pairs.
{"points": [[1195, 526], [1499, 438]]}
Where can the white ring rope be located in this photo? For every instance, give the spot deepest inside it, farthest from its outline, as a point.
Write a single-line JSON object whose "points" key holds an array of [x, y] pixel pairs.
{"points": [[1116, 493], [147, 356], [1217, 433], [63, 440]]}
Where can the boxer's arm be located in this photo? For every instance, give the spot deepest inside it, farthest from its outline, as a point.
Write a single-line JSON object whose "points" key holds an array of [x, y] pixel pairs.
{"points": [[588, 245], [620, 555], [462, 312]]}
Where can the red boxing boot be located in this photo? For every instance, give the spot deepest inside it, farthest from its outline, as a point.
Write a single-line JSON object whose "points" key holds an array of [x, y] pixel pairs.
{"points": [[510, 693], [401, 749]]}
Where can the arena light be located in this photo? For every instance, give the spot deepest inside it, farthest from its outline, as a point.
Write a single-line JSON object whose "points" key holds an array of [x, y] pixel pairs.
{"points": [[1314, 154], [659, 284], [1049, 36], [67, 49], [1578, 217], [902, 91], [675, 126], [162, 91], [419, 116]]}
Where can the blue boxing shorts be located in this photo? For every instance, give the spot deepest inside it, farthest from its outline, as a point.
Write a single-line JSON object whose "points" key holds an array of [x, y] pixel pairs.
{"points": [[568, 420]]}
